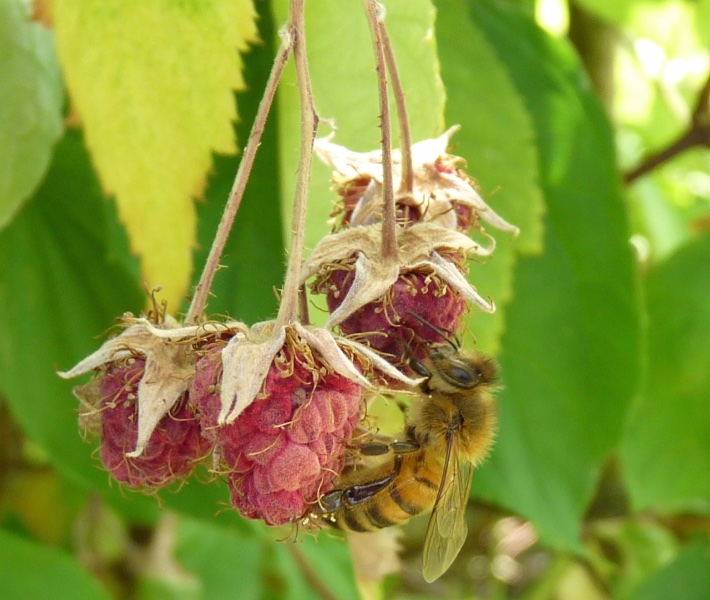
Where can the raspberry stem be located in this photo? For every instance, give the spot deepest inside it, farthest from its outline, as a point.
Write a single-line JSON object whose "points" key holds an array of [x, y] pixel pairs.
{"points": [[309, 125], [375, 14], [202, 289], [407, 184]]}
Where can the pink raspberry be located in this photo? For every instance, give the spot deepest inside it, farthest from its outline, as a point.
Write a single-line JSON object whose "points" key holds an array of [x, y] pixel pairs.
{"points": [[388, 324], [288, 446], [174, 448]]}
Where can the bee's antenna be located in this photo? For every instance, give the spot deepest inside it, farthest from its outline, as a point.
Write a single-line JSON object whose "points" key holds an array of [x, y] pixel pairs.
{"points": [[455, 344]]}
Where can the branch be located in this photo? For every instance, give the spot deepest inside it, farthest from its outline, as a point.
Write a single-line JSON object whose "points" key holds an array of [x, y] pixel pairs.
{"points": [[698, 134]]}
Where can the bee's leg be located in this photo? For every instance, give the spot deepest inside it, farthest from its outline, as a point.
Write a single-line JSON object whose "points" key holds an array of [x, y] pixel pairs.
{"points": [[419, 367], [329, 502], [442, 331], [374, 449], [405, 447], [379, 448], [358, 493]]}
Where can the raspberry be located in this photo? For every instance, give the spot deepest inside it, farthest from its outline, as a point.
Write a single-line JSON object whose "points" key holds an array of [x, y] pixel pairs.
{"points": [[388, 324], [288, 446], [174, 447]]}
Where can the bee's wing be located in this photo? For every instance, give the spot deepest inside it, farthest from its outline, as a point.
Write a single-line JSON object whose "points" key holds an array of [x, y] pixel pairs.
{"points": [[447, 527]]}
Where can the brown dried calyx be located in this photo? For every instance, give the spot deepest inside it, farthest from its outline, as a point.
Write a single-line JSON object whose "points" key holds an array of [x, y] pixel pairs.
{"points": [[443, 192], [372, 294]]}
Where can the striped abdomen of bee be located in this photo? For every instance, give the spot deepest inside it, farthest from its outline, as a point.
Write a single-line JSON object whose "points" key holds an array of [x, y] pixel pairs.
{"points": [[389, 495]]}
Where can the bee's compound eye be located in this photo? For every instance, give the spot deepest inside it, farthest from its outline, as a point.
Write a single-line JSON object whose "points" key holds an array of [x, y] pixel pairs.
{"points": [[464, 376]]}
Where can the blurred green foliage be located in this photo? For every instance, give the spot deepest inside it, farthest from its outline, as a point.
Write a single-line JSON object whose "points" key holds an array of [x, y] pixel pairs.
{"points": [[597, 487]]}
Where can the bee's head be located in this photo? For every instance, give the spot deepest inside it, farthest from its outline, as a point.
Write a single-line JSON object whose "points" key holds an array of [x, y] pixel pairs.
{"points": [[452, 369]]}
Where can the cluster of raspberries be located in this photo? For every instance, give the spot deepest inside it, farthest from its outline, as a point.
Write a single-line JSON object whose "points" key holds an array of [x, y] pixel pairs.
{"points": [[274, 407]]}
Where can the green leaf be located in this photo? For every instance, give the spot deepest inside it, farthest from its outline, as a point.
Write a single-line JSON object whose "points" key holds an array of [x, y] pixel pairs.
{"points": [[330, 558], [227, 564], [497, 137], [640, 546], [34, 572], [342, 63], [569, 363], [31, 99], [153, 84], [498, 141], [666, 447], [58, 293], [614, 11], [687, 577], [312, 565]]}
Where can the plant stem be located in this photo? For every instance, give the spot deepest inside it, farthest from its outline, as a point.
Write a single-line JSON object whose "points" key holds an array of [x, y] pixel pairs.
{"points": [[389, 217], [309, 125], [406, 186], [697, 134], [202, 290]]}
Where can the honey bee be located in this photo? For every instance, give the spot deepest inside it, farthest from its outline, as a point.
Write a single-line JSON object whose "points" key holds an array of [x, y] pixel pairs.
{"points": [[450, 427]]}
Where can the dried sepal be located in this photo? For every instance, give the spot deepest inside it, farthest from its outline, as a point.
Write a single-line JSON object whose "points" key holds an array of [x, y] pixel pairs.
{"points": [[169, 366], [421, 247], [443, 193]]}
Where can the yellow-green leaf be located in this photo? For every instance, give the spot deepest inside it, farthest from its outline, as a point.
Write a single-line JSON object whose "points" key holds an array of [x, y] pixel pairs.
{"points": [[153, 84]]}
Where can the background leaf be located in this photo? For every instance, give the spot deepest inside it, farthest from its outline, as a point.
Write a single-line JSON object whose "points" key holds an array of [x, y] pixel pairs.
{"points": [[153, 84], [687, 577], [670, 423], [498, 142], [570, 351], [31, 572], [227, 564], [31, 99], [55, 302]]}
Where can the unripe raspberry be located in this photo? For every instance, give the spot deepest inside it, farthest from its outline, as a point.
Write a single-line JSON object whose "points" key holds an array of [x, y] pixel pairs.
{"points": [[174, 447], [288, 446]]}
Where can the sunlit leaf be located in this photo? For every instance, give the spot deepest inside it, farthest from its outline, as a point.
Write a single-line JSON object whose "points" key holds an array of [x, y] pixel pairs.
{"points": [[670, 424], [153, 84], [31, 99]]}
